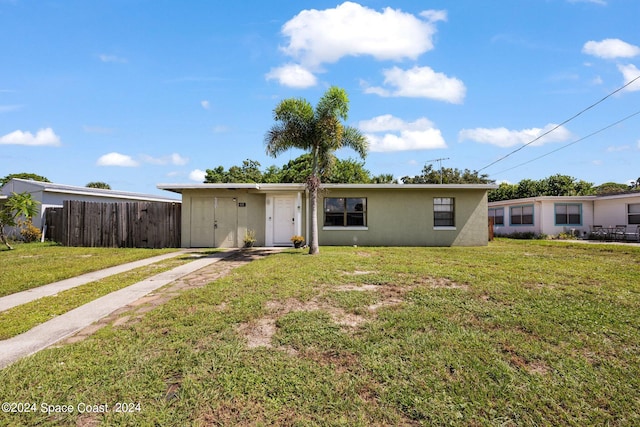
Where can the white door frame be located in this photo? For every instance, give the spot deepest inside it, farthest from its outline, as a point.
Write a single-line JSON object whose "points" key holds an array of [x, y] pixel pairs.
{"points": [[270, 211]]}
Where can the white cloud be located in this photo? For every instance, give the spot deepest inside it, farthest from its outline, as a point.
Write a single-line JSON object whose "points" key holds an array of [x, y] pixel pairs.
{"points": [[630, 72], [388, 133], [292, 75], [42, 137], [112, 58], [503, 137], [174, 159], [420, 82], [205, 104], [178, 160], [611, 48], [221, 129], [197, 175], [116, 159], [387, 122], [325, 36]]}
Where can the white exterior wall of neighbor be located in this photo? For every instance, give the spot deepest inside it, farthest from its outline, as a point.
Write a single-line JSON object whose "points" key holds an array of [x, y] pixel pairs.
{"points": [[53, 195], [606, 211], [613, 210], [544, 215]]}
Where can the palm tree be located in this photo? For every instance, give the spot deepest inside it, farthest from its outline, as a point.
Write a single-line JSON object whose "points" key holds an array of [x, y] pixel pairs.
{"points": [[320, 131]]}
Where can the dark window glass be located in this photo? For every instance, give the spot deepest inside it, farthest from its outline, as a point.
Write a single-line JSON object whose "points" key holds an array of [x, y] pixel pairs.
{"points": [[443, 212], [522, 215], [498, 215], [345, 211]]}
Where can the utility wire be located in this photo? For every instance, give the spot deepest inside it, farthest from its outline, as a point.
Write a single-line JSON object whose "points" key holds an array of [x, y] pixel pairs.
{"points": [[561, 124], [571, 143]]}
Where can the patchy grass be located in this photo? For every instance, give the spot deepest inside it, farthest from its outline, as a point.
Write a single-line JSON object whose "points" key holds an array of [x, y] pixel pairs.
{"points": [[24, 317], [35, 264], [516, 333]]}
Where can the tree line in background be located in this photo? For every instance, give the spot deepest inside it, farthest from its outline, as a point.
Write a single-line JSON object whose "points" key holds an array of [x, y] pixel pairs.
{"points": [[348, 171], [353, 172]]}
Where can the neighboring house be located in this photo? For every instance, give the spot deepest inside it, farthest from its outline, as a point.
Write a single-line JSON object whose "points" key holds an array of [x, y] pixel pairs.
{"points": [[554, 215], [52, 195], [219, 215]]}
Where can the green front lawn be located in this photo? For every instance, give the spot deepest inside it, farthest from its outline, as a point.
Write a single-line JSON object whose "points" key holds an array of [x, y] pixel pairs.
{"points": [[35, 264], [516, 333]]}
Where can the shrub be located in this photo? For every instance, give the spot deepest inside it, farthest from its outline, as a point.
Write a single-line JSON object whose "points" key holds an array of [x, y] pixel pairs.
{"points": [[29, 232]]}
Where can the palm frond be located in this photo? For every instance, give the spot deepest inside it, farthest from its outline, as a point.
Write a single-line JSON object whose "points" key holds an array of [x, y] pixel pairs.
{"points": [[354, 139]]}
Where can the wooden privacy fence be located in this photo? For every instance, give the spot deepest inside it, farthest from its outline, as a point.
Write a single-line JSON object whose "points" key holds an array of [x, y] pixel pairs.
{"points": [[123, 225], [491, 228]]}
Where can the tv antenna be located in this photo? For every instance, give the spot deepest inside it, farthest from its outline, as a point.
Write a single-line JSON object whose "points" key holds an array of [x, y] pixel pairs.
{"points": [[440, 163]]}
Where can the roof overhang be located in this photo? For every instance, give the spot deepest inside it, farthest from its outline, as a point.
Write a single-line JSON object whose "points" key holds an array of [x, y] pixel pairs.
{"points": [[179, 188], [543, 199]]}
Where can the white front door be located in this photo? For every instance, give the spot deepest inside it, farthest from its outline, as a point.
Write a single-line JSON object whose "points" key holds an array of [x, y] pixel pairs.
{"points": [[284, 220]]}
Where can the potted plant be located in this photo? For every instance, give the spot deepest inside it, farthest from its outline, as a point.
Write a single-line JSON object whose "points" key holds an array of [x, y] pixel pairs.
{"points": [[249, 238], [297, 241]]}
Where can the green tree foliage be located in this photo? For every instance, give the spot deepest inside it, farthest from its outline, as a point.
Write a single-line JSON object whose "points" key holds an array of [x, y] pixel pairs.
{"points": [[611, 188], [347, 171], [23, 175], [384, 178], [248, 172], [430, 175], [16, 206], [319, 131], [98, 184], [555, 185]]}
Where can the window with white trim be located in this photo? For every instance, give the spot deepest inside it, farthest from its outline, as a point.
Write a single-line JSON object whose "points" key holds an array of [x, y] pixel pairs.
{"points": [[498, 215], [568, 213], [444, 212], [345, 211], [633, 213], [521, 215]]}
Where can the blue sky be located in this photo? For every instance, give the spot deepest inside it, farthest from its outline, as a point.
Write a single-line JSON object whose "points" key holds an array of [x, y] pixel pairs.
{"points": [[139, 92]]}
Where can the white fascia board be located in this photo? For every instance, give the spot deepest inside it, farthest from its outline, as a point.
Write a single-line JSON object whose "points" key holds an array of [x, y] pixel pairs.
{"points": [[413, 186]]}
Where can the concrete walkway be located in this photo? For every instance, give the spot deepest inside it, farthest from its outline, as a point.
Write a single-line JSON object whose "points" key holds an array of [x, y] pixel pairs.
{"points": [[29, 295], [62, 326]]}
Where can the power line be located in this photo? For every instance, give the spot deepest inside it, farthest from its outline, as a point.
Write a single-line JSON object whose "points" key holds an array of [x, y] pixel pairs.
{"points": [[571, 143], [561, 124]]}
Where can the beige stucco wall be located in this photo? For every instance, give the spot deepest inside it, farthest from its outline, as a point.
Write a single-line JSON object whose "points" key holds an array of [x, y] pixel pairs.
{"points": [[250, 216], [404, 217]]}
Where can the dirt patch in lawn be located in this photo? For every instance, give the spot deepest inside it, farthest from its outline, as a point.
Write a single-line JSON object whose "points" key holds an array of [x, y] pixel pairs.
{"points": [[258, 333], [134, 312]]}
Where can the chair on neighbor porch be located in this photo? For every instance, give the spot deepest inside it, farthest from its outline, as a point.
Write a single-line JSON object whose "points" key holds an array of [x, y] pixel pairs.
{"points": [[598, 232], [633, 235], [619, 232]]}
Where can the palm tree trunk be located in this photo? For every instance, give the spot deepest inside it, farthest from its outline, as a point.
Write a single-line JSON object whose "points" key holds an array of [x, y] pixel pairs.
{"points": [[313, 183], [313, 247]]}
